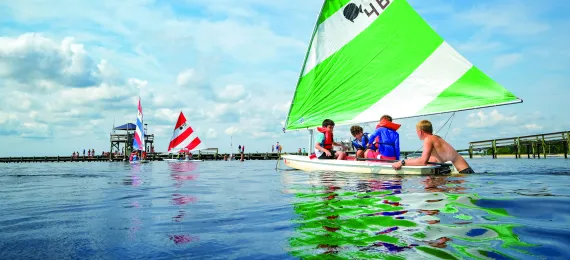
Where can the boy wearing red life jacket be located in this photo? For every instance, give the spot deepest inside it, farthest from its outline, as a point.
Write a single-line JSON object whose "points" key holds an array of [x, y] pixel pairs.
{"points": [[324, 143], [384, 143]]}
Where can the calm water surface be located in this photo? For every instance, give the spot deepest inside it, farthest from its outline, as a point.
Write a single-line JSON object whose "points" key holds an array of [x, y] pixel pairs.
{"points": [[520, 209]]}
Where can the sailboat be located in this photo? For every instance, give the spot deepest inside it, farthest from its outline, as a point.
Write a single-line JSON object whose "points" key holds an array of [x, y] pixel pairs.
{"points": [[139, 141], [367, 58], [184, 139]]}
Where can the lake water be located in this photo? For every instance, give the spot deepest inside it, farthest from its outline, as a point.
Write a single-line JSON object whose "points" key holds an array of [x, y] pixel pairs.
{"points": [[520, 209]]}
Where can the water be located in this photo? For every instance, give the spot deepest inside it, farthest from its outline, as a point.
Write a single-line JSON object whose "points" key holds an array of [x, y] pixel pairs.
{"points": [[234, 210]]}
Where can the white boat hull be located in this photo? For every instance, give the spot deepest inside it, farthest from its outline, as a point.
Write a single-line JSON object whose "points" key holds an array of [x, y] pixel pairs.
{"points": [[305, 164], [139, 161], [176, 160]]}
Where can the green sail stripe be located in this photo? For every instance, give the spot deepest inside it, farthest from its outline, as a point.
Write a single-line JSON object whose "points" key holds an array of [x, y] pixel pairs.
{"points": [[329, 8], [365, 69], [474, 89]]}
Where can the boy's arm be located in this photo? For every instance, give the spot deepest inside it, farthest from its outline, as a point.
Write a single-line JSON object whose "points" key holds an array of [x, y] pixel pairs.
{"points": [[426, 154], [372, 137], [322, 149], [397, 145], [428, 147], [340, 144]]}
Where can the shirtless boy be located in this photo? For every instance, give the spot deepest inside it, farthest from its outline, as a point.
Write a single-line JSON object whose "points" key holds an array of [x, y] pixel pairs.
{"points": [[435, 149]]}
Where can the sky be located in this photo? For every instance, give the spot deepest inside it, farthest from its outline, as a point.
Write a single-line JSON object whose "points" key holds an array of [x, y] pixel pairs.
{"points": [[70, 70]]}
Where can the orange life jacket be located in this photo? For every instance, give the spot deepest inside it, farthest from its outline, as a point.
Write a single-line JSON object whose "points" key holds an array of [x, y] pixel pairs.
{"points": [[328, 142]]}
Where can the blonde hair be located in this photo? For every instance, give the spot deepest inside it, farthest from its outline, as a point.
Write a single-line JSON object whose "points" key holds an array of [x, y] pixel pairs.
{"points": [[425, 126]]}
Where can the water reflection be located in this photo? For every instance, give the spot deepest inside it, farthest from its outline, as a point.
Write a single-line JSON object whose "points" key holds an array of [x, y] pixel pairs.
{"points": [[180, 173], [374, 216], [135, 181]]}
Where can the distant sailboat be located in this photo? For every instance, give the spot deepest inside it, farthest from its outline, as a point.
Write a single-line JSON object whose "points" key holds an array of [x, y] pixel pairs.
{"points": [[184, 139], [139, 142]]}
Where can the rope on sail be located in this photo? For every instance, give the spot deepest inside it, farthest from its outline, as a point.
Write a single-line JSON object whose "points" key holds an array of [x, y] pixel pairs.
{"points": [[451, 117]]}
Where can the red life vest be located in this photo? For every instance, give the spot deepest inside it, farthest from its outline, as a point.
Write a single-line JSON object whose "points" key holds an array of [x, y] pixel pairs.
{"points": [[387, 124], [328, 142]]}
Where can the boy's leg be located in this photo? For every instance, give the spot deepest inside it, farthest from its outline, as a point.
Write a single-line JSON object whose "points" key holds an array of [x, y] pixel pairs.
{"points": [[340, 155], [360, 154], [371, 154], [325, 157]]}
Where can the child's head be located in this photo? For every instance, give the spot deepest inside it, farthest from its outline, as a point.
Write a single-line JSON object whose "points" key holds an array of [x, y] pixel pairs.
{"points": [[386, 117], [356, 131], [328, 124], [424, 127]]}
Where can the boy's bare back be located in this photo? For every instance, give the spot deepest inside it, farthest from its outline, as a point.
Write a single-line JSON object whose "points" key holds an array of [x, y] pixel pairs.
{"points": [[443, 152]]}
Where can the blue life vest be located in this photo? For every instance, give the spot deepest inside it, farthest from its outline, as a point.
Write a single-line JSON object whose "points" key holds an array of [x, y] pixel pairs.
{"points": [[361, 144]]}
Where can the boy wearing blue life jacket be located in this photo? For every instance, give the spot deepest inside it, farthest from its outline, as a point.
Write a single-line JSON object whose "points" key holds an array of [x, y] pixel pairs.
{"points": [[385, 139], [360, 141]]}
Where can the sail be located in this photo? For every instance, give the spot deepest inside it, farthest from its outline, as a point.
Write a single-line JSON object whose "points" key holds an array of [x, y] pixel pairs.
{"points": [[184, 137], [367, 58], [138, 142]]}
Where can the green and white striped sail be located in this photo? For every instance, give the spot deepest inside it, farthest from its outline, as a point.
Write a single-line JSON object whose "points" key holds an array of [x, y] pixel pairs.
{"points": [[367, 58]]}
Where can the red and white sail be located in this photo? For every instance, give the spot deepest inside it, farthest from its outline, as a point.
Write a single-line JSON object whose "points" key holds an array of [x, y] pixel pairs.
{"points": [[184, 137]]}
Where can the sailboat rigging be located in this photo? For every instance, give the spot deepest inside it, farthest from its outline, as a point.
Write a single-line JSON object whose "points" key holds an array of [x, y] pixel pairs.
{"points": [[391, 62]]}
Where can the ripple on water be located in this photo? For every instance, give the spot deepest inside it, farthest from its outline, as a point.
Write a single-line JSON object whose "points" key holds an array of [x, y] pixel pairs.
{"points": [[234, 210]]}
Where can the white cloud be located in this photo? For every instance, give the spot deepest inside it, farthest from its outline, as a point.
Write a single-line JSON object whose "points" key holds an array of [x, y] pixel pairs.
{"points": [[232, 69], [507, 60], [232, 93], [533, 127], [31, 57], [212, 133], [232, 130], [185, 78], [499, 18], [482, 120]]}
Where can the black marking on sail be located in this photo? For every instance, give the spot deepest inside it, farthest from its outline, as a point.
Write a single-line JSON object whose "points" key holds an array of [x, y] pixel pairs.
{"points": [[351, 11]]}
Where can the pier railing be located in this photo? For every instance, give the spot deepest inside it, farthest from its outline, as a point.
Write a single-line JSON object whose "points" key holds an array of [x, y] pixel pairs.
{"points": [[535, 145]]}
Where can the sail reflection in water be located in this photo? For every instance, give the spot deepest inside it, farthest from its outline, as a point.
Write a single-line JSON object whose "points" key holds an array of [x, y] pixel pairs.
{"points": [[180, 173], [377, 216]]}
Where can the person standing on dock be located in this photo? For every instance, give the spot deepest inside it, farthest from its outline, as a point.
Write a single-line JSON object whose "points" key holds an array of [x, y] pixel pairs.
{"points": [[272, 148]]}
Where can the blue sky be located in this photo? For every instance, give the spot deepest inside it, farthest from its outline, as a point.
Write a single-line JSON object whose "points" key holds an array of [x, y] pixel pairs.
{"points": [[69, 69]]}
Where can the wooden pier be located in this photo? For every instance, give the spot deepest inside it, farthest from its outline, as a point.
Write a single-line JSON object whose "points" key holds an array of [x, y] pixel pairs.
{"points": [[535, 145], [207, 156], [150, 157]]}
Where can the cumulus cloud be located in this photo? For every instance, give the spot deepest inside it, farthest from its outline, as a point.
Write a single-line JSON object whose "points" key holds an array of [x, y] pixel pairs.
{"points": [[58, 81], [229, 70], [232, 130], [32, 57], [482, 120]]}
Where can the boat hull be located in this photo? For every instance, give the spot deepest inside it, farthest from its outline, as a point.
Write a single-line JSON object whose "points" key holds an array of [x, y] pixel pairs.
{"points": [[305, 164], [176, 160], [139, 161]]}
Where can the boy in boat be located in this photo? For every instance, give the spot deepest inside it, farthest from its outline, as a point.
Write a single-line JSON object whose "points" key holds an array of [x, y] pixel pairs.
{"points": [[360, 140], [324, 144], [384, 143], [435, 149]]}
